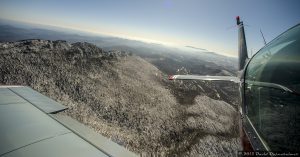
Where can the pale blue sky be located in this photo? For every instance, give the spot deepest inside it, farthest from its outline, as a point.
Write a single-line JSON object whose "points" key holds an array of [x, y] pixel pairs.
{"points": [[199, 23]]}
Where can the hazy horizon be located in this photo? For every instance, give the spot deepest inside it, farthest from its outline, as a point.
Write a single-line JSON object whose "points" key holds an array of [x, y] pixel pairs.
{"points": [[202, 24], [74, 31]]}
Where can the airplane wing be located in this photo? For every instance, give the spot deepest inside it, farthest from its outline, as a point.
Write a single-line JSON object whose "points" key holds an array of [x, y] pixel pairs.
{"points": [[207, 78], [30, 126]]}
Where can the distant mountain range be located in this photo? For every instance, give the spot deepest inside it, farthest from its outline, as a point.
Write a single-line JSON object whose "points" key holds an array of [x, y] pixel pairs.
{"points": [[156, 54]]}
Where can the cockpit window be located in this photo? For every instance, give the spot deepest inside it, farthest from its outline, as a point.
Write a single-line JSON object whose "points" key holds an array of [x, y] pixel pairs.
{"points": [[272, 92], [279, 61]]}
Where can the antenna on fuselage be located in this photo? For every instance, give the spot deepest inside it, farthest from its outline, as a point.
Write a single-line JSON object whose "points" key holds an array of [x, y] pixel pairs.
{"points": [[263, 36]]}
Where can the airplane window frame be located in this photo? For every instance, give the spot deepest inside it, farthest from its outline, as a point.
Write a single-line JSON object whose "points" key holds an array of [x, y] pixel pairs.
{"points": [[280, 42]]}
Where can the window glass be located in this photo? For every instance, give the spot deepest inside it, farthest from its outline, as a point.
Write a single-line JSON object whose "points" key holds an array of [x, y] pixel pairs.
{"points": [[272, 92]]}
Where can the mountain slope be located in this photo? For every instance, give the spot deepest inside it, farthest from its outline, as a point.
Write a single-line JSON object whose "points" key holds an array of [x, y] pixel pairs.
{"points": [[122, 97]]}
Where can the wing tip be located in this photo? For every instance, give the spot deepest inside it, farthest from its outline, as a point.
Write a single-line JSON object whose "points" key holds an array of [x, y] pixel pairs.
{"points": [[171, 77]]}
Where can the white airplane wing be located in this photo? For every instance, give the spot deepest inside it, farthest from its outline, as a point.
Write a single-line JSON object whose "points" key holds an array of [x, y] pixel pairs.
{"points": [[30, 125], [207, 78]]}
